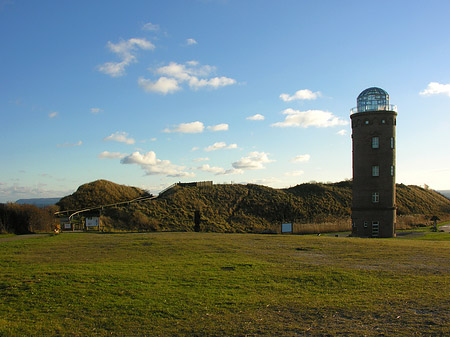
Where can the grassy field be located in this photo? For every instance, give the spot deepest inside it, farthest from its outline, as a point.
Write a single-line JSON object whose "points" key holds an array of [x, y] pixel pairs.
{"points": [[205, 284]]}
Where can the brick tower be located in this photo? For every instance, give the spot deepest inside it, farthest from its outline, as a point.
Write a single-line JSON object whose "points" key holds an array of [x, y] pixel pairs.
{"points": [[373, 138]]}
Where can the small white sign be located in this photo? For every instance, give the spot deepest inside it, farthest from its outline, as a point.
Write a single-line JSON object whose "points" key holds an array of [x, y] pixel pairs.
{"points": [[92, 222], [67, 226], [286, 228]]}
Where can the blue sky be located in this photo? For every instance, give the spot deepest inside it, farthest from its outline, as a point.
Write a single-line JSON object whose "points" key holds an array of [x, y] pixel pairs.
{"points": [[148, 93]]}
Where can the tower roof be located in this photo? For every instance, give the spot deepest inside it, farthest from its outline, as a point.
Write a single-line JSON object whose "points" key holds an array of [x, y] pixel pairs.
{"points": [[372, 91], [373, 99]]}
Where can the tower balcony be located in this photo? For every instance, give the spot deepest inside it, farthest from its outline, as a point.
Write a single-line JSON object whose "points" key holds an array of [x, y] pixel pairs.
{"points": [[375, 107]]}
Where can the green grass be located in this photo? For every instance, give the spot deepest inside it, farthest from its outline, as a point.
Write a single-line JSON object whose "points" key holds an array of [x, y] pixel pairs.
{"points": [[205, 284]]}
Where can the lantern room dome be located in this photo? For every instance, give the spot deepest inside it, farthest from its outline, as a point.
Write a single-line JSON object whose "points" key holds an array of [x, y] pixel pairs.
{"points": [[373, 99], [373, 91]]}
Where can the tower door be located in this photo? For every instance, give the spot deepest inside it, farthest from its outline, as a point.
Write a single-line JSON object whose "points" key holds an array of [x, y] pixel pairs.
{"points": [[375, 228]]}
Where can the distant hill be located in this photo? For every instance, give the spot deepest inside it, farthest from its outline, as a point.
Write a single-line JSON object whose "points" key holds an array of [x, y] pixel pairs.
{"points": [[39, 202], [239, 208], [445, 193]]}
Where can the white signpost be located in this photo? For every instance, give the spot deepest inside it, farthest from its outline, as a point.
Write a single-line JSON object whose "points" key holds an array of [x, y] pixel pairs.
{"points": [[286, 228], [92, 222]]}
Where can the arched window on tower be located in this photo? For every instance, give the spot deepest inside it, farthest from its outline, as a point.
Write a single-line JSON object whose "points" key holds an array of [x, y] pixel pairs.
{"points": [[375, 171], [375, 142]]}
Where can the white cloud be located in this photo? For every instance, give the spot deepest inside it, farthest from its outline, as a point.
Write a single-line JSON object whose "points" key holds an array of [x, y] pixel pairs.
{"points": [[198, 160], [111, 155], [211, 169], [79, 143], [257, 117], [254, 161], [176, 70], [150, 27], [96, 110], [294, 173], [163, 85], [215, 82], [154, 166], [192, 73], [53, 114], [304, 94], [193, 127], [14, 192], [218, 127], [271, 181], [303, 158], [195, 148], [342, 132], [191, 42], [435, 88], [219, 170], [121, 137], [220, 145], [216, 146], [153, 139], [114, 69], [195, 63], [304, 119], [126, 50], [234, 171]]}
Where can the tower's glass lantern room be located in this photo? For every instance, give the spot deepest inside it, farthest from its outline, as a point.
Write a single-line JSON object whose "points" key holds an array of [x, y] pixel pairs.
{"points": [[373, 99]]}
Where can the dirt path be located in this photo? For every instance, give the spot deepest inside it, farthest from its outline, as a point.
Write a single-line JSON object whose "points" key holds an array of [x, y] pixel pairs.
{"points": [[445, 228], [22, 237], [407, 235]]}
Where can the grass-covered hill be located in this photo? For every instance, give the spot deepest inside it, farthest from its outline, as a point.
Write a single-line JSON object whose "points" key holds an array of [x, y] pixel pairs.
{"points": [[99, 192], [413, 199], [239, 208]]}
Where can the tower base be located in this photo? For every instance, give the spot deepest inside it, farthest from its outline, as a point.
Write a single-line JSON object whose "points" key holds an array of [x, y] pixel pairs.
{"points": [[374, 223]]}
